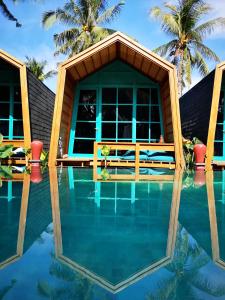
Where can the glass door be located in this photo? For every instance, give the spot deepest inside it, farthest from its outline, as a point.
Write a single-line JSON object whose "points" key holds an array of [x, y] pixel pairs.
{"points": [[219, 144], [117, 114], [11, 123], [84, 124]]}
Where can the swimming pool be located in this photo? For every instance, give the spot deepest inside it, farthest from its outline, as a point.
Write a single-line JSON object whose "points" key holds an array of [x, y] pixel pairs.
{"points": [[69, 237]]}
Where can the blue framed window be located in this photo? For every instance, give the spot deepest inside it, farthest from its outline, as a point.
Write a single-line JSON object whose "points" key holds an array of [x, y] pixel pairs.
{"points": [[114, 113], [11, 122]]}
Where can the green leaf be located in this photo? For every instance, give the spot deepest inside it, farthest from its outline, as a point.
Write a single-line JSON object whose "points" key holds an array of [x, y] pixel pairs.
{"points": [[6, 172], [105, 150], [1, 138], [6, 151], [105, 174]]}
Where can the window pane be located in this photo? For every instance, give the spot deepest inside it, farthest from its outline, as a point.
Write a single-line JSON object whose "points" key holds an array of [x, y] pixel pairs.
{"points": [[142, 113], [155, 114], [17, 114], [154, 96], [155, 131], [142, 131], [218, 149], [108, 130], [109, 95], [108, 112], [4, 93], [125, 113], [143, 96], [4, 189], [18, 128], [83, 146], [17, 94], [125, 131], [87, 96], [4, 128], [125, 95], [220, 116], [4, 110], [219, 132], [86, 112], [85, 130]]}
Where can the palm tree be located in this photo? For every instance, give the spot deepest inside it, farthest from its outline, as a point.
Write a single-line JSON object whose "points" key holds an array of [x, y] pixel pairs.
{"points": [[7, 13], [85, 18], [186, 49], [37, 68]]}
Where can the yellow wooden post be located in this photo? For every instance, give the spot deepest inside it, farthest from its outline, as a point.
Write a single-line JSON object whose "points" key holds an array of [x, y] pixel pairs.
{"points": [[177, 186], [137, 158], [212, 215], [95, 162], [23, 214], [57, 118], [213, 117], [55, 210]]}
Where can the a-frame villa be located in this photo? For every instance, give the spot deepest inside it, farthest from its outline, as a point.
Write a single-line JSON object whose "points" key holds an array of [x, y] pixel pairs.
{"points": [[26, 104], [116, 91]]}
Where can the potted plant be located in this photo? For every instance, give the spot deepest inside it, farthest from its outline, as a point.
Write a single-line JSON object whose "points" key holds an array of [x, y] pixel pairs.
{"points": [[190, 147], [105, 151]]}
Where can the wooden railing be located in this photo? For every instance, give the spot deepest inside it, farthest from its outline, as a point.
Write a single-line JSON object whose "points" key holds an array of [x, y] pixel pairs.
{"points": [[136, 164]]}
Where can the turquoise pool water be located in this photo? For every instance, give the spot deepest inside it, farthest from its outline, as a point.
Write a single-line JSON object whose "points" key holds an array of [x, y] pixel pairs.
{"points": [[69, 237]]}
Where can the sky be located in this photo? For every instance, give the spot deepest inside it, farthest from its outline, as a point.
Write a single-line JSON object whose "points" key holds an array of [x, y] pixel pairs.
{"points": [[34, 41]]}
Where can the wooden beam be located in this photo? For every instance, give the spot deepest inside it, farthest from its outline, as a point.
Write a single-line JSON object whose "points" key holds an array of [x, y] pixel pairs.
{"points": [[212, 215], [213, 117], [175, 110], [25, 107], [55, 210], [15, 143], [23, 214], [57, 117]]}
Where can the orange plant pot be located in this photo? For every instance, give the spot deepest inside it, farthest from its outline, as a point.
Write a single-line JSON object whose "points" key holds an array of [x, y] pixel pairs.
{"points": [[36, 175], [36, 149], [200, 152], [199, 179]]}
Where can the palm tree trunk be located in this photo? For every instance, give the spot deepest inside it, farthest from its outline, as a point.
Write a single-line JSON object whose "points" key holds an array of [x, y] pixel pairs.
{"points": [[179, 54]]}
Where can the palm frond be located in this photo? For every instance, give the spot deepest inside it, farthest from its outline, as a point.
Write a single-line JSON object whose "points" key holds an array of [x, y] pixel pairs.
{"points": [[6, 12], [206, 51], [110, 14], [65, 36], [209, 27], [168, 22], [99, 33], [165, 48], [200, 64], [49, 74], [171, 7], [49, 18]]}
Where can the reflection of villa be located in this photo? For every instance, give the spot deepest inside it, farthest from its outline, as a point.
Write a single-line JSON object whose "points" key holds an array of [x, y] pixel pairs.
{"points": [[139, 221], [26, 104], [203, 115], [115, 91], [13, 203]]}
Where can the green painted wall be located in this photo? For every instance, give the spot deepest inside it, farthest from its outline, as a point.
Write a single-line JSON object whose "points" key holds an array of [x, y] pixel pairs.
{"points": [[117, 73]]}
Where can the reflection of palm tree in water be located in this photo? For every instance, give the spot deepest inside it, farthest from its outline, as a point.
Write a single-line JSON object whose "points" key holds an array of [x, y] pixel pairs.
{"points": [[74, 286], [188, 259], [6, 289]]}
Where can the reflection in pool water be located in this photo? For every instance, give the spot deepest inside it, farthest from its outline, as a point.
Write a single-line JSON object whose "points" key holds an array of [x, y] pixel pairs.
{"points": [[69, 237]]}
